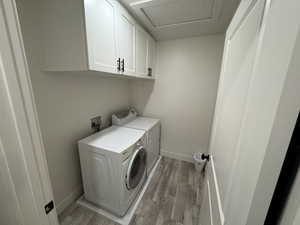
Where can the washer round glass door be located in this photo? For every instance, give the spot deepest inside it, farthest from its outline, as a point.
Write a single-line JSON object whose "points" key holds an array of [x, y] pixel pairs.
{"points": [[136, 168]]}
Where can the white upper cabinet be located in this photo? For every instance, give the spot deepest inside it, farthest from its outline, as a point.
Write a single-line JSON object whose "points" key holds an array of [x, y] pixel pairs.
{"points": [[141, 52], [145, 53], [101, 35], [126, 42], [151, 57], [96, 35]]}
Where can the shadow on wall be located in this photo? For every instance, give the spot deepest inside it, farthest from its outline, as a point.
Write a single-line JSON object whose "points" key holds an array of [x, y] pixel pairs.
{"points": [[183, 94], [66, 101], [141, 96], [89, 93]]}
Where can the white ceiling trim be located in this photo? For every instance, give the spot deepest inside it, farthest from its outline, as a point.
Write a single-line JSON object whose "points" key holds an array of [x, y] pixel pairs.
{"points": [[172, 19], [140, 5]]}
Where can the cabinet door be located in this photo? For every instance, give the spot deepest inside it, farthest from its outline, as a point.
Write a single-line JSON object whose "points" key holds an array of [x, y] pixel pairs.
{"points": [[141, 52], [151, 57], [126, 41], [100, 18]]}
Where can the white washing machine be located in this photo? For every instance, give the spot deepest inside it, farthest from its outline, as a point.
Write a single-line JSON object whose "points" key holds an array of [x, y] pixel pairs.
{"points": [[152, 128], [113, 165]]}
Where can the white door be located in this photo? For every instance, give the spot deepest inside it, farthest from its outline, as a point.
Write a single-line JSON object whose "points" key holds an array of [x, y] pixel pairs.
{"points": [[241, 46], [256, 106], [126, 42], [141, 52], [24, 181], [100, 19], [151, 56], [19, 193]]}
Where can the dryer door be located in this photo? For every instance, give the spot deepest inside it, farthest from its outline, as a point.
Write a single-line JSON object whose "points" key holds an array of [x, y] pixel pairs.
{"points": [[136, 168]]}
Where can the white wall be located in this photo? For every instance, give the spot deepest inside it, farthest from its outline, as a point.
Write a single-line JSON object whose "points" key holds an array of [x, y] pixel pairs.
{"points": [[183, 97], [184, 93], [65, 103]]}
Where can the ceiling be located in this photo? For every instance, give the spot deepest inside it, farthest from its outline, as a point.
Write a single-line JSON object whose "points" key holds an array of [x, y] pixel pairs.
{"points": [[171, 19]]}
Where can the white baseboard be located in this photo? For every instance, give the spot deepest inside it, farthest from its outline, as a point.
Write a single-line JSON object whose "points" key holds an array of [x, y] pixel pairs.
{"points": [[179, 156], [72, 197]]}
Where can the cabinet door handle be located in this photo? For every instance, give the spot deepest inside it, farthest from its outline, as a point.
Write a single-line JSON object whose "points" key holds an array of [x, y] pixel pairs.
{"points": [[123, 65], [119, 64], [149, 71]]}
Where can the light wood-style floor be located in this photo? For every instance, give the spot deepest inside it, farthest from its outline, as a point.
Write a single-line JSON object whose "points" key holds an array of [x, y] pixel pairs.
{"points": [[172, 198]]}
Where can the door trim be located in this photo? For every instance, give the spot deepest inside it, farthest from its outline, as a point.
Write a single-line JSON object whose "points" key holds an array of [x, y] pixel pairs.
{"points": [[217, 191], [216, 215]]}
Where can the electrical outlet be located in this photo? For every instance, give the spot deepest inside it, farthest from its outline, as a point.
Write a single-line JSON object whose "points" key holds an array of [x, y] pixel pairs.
{"points": [[96, 123]]}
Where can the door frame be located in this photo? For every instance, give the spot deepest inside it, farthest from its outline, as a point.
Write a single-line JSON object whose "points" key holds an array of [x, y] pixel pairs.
{"points": [[20, 83]]}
